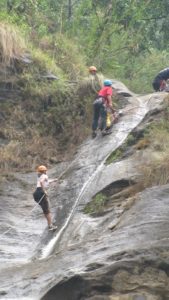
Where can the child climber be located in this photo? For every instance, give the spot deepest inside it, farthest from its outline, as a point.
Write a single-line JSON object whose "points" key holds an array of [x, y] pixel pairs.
{"points": [[40, 194]]}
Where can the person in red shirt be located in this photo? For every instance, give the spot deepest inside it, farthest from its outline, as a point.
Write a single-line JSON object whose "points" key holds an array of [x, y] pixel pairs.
{"points": [[100, 106]]}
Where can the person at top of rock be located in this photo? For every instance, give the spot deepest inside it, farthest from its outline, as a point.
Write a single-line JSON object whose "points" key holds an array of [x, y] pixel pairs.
{"points": [[96, 79]]}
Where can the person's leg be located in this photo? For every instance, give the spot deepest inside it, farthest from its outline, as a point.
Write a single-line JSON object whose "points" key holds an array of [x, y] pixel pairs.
{"points": [[48, 218], [47, 214], [45, 207], [96, 113], [103, 114]]}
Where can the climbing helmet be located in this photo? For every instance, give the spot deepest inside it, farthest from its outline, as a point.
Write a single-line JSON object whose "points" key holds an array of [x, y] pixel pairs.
{"points": [[107, 82], [41, 169], [92, 68]]}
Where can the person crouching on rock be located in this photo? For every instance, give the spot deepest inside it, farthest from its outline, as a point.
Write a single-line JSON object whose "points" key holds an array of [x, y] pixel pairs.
{"points": [[40, 194], [102, 103]]}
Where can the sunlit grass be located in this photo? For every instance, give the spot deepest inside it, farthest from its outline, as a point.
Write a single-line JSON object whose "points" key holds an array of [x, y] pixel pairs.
{"points": [[12, 44]]}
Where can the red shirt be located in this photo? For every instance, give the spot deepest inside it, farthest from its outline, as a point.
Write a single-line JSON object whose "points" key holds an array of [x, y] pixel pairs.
{"points": [[105, 91]]}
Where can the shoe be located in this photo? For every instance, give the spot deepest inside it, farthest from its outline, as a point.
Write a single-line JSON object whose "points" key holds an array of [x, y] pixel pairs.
{"points": [[106, 132], [52, 227], [94, 134], [120, 112]]}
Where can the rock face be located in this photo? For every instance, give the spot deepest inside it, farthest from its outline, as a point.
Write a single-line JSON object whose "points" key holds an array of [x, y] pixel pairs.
{"points": [[119, 254]]}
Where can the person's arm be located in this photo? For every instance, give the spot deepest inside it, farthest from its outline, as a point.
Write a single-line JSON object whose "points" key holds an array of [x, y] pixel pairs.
{"points": [[44, 182], [110, 103], [53, 180], [162, 85], [109, 100]]}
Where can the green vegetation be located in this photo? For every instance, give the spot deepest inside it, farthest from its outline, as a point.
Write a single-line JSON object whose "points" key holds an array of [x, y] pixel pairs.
{"points": [[11, 44], [118, 153], [156, 139], [115, 155], [156, 172], [46, 117], [125, 40], [97, 204]]}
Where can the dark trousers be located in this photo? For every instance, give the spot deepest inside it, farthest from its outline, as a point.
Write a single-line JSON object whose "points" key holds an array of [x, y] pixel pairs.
{"points": [[99, 114]]}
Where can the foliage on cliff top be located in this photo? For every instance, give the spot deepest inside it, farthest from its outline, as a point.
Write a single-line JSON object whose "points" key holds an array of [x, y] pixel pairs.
{"points": [[42, 117], [124, 40], [156, 171]]}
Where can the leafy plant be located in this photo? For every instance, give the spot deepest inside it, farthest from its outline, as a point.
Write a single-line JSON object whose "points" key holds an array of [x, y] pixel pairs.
{"points": [[118, 153], [96, 205]]}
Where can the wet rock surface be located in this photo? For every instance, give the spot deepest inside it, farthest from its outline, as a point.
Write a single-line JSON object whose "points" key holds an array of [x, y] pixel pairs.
{"points": [[120, 255]]}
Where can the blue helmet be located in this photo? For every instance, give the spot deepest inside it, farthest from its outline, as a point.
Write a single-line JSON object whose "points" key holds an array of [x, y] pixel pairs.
{"points": [[107, 82]]}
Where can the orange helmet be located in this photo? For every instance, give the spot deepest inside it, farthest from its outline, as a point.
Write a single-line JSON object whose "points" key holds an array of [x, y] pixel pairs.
{"points": [[41, 169], [92, 68]]}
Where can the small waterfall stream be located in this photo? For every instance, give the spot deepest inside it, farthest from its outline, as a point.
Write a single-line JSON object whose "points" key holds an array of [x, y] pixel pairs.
{"points": [[117, 139]]}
